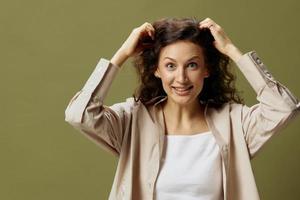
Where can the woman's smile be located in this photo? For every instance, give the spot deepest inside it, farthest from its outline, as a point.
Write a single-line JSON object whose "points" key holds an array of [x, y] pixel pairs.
{"points": [[182, 91]]}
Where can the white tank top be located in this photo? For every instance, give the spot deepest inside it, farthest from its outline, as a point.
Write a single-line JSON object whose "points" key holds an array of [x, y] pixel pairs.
{"points": [[191, 168]]}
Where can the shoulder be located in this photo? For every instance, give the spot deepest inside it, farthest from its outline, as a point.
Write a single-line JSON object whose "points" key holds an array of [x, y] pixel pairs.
{"points": [[235, 106]]}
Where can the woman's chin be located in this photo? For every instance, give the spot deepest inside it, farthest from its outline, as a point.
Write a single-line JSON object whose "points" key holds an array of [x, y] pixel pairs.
{"points": [[184, 100]]}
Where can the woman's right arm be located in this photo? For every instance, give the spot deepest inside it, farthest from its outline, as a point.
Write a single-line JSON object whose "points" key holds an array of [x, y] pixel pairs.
{"points": [[104, 125]]}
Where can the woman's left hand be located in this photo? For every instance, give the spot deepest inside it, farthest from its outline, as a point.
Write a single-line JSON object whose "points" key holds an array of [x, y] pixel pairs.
{"points": [[222, 41]]}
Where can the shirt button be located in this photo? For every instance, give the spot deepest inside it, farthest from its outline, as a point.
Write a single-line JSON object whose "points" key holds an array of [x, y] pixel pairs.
{"points": [[268, 74], [258, 61], [225, 148], [271, 84]]}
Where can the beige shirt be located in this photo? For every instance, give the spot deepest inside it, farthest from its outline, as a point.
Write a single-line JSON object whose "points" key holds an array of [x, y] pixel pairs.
{"points": [[135, 132]]}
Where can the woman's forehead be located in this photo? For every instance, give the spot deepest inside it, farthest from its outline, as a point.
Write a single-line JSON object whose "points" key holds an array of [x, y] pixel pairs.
{"points": [[182, 50]]}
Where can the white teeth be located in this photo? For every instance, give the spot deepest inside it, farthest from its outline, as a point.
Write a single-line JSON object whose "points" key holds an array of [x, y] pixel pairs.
{"points": [[182, 89]]}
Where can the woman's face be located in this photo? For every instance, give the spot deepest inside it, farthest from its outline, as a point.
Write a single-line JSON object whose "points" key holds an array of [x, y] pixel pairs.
{"points": [[182, 71]]}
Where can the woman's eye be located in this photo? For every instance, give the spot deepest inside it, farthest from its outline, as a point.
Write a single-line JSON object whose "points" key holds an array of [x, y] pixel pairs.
{"points": [[193, 64], [170, 66]]}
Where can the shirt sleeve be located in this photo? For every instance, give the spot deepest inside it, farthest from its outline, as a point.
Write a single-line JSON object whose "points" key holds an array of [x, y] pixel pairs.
{"points": [[275, 108], [104, 125]]}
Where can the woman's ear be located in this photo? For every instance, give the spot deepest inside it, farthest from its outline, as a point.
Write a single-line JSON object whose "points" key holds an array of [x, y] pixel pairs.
{"points": [[206, 74], [156, 73]]}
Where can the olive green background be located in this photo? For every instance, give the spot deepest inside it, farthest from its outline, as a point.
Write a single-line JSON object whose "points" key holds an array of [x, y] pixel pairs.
{"points": [[48, 50]]}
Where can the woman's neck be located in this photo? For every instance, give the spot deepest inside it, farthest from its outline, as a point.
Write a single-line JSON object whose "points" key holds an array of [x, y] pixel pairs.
{"points": [[183, 115]]}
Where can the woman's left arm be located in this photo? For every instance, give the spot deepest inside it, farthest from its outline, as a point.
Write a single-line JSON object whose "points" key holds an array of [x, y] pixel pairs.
{"points": [[276, 106]]}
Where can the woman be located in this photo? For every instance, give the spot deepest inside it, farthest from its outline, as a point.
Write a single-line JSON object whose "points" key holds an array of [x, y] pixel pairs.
{"points": [[186, 134]]}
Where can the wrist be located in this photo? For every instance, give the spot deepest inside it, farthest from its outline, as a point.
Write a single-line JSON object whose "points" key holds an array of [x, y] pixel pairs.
{"points": [[119, 58], [233, 52]]}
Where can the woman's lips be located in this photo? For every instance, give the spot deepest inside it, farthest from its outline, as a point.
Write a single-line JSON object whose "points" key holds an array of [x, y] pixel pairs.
{"points": [[182, 91]]}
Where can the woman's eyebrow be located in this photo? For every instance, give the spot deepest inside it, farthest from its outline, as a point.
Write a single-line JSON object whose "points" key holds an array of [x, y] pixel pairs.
{"points": [[187, 60]]}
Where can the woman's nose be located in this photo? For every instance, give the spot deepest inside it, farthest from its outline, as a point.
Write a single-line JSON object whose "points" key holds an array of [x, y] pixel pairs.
{"points": [[181, 76]]}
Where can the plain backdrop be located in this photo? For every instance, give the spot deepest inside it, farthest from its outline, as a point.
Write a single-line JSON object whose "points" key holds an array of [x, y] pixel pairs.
{"points": [[48, 49]]}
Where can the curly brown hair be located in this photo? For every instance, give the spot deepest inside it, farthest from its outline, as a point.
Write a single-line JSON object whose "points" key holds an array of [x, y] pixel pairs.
{"points": [[218, 87]]}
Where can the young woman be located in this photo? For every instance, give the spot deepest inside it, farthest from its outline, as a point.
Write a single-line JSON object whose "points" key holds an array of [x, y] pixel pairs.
{"points": [[186, 133]]}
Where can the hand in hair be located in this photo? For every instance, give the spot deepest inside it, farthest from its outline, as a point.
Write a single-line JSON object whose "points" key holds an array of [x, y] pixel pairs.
{"points": [[222, 41], [134, 43]]}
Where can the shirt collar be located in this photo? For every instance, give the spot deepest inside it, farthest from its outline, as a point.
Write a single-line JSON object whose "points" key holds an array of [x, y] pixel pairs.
{"points": [[156, 100], [160, 99]]}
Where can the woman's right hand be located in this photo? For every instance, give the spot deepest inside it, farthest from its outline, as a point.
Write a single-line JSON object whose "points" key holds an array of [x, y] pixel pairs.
{"points": [[133, 44]]}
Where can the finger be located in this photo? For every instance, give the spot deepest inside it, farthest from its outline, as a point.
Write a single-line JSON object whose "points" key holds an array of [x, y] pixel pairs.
{"points": [[150, 30], [148, 25], [147, 31], [151, 35], [147, 28], [205, 25], [203, 21], [210, 26], [144, 26], [206, 20]]}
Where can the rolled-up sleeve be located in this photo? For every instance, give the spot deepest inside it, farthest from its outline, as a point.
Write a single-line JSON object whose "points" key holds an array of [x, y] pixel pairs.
{"points": [[275, 108], [104, 125]]}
